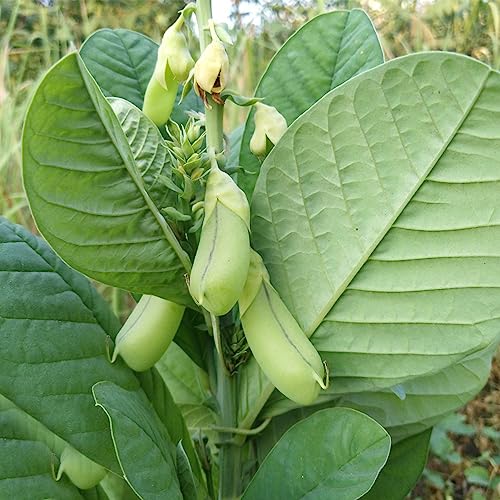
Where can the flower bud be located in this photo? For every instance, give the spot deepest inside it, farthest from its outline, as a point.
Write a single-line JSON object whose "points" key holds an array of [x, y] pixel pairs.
{"points": [[148, 332], [270, 125], [173, 54], [280, 347], [221, 263], [212, 68]]}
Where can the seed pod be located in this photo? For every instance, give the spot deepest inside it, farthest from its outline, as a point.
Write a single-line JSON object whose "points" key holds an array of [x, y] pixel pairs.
{"points": [[270, 125], [148, 331], [221, 263], [279, 345], [159, 101], [83, 472]]}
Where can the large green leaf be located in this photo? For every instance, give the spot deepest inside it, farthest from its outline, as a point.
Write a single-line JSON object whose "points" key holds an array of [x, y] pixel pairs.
{"points": [[402, 470], [121, 61], [334, 453], [145, 451], [54, 331], [378, 216], [83, 181], [324, 53]]}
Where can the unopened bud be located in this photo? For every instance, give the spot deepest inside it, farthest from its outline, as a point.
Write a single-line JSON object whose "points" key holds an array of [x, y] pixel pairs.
{"points": [[270, 125], [173, 53], [212, 68]]}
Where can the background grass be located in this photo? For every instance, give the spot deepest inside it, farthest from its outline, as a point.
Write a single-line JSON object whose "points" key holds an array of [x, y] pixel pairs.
{"points": [[465, 458]]}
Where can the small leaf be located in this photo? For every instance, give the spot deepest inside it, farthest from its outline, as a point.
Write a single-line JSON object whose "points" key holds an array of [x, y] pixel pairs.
{"points": [[334, 453], [238, 99], [477, 475], [174, 214]]}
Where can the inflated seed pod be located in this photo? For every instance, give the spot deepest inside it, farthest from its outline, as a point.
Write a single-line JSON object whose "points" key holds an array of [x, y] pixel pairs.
{"points": [[221, 263], [83, 472], [148, 331], [158, 100], [279, 345]]}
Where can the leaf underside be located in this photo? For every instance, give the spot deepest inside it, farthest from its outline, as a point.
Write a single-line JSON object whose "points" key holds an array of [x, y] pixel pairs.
{"points": [[378, 217]]}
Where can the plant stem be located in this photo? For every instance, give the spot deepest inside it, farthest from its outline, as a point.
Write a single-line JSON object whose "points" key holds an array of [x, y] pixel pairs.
{"points": [[229, 453]]}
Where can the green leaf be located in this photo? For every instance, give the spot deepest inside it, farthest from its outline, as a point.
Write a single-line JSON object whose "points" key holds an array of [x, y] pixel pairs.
{"points": [[334, 453], [116, 488], [193, 342], [149, 150], [86, 192], [324, 53], [185, 473], [145, 452], [170, 415], [238, 99], [54, 332], [380, 230], [477, 475], [402, 470], [121, 61]]}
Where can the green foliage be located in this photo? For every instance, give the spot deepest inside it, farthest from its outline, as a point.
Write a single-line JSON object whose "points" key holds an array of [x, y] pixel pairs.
{"points": [[115, 213], [376, 215], [403, 468], [347, 448]]}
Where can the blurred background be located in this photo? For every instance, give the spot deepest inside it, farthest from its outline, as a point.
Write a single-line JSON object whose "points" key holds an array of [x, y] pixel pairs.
{"points": [[465, 449]]}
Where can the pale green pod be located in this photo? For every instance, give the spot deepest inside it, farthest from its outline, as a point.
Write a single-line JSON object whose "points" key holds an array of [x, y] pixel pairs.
{"points": [[280, 347], [83, 472], [222, 259], [221, 263], [159, 101], [148, 332]]}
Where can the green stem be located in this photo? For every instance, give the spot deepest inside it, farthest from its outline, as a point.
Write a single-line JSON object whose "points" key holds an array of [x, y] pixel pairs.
{"points": [[229, 453]]}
